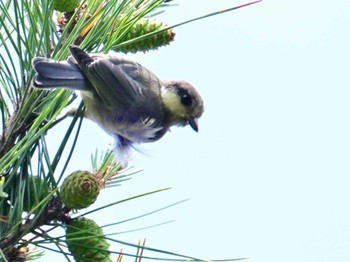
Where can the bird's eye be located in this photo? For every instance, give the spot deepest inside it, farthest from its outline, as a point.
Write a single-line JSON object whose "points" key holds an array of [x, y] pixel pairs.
{"points": [[186, 98]]}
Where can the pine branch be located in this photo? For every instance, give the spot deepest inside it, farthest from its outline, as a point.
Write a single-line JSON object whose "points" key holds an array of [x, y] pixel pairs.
{"points": [[30, 195]]}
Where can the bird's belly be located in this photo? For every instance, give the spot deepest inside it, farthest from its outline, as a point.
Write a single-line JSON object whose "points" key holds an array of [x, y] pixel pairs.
{"points": [[136, 131], [134, 124]]}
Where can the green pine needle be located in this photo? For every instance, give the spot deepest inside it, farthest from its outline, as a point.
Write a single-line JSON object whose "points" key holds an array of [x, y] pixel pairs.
{"points": [[29, 29]]}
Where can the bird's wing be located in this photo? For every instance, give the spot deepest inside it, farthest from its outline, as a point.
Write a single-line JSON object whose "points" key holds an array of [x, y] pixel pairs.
{"points": [[116, 79]]}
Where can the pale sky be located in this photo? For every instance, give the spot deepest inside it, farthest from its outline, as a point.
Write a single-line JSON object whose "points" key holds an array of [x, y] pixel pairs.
{"points": [[268, 173]]}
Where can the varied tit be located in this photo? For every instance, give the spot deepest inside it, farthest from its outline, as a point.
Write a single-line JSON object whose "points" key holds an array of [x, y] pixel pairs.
{"points": [[126, 99]]}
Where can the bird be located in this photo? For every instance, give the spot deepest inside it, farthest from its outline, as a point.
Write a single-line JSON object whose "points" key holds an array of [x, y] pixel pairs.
{"points": [[127, 100]]}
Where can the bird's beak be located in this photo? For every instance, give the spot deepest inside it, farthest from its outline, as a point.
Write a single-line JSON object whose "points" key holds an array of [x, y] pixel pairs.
{"points": [[193, 123]]}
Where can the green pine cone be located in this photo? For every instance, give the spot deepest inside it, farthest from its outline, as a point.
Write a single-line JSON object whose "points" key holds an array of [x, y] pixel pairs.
{"points": [[86, 241], [65, 5], [142, 27], [79, 190], [36, 190]]}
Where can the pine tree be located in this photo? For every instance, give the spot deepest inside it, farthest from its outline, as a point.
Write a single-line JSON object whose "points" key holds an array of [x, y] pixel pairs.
{"points": [[33, 201]]}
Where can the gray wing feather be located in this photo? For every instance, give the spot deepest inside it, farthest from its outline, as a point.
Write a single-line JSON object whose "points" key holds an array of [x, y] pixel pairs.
{"points": [[118, 80], [112, 84]]}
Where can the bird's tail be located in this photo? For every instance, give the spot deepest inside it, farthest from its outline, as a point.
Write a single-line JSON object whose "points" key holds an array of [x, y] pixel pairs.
{"points": [[54, 74]]}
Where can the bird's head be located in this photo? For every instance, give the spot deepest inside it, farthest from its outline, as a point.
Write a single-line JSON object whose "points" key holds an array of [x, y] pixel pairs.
{"points": [[182, 102]]}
